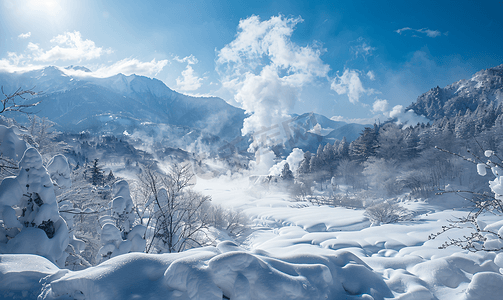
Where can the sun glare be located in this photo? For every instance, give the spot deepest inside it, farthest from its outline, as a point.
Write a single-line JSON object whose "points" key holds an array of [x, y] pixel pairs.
{"points": [[49, 7]]}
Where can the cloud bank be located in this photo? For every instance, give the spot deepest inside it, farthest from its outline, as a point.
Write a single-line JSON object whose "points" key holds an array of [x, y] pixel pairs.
{"points": [[130, 66], [69, 46]]}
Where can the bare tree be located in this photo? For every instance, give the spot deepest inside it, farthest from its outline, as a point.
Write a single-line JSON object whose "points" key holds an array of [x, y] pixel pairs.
{"points": [[7, 167], [41, 134], [177, 215], [8, 103]]}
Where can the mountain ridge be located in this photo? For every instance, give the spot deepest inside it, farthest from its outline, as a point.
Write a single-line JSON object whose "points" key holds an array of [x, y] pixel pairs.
{"points": [[140, 106], [484, 88]]}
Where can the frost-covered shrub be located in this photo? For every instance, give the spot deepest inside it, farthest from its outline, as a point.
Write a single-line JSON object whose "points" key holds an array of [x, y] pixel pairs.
{"points": [[385, 213], [484, 237], [30, 219], [344, 200], [233, 222]]}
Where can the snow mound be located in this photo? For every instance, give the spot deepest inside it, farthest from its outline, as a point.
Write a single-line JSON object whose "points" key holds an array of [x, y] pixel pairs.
{"points": [[204, 273], [485, 285], [20, 275]]}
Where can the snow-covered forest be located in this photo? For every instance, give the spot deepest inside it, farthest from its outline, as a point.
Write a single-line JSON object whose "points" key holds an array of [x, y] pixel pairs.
{"points": [[137, 203]]}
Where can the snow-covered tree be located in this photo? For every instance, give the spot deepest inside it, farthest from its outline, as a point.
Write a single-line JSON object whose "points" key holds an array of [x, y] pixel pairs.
{"points": [[31, 222], [366, 144], [287, 174], [59, 169], [11, 150], [81, 205], [119, 235], [97, 177]]}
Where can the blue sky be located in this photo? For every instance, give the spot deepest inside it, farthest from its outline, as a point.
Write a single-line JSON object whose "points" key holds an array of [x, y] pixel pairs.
{"points": [[344, 59]]}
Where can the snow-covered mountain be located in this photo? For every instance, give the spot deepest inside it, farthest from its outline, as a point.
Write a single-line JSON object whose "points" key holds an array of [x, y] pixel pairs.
{"points": [[128, 105], [485, 88], [119, 103]]}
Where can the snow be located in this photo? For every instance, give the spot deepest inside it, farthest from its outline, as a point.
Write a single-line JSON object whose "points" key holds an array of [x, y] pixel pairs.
{"points": [[118, 236], [20, 275], [32, 222], [209, 273], [11, 146], [60, 171], [296, 251], [485, 285], [481, 169]]}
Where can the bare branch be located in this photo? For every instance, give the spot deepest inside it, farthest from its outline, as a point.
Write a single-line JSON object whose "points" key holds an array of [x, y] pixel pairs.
{"points": [[9, 102]]}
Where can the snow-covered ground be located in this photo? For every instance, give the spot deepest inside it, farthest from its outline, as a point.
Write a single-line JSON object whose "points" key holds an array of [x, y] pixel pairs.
{"points": [[295, 251]]}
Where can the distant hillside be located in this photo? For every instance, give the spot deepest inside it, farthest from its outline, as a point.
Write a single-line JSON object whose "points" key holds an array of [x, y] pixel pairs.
{"points": [[118, 103], [144, 107], [484, 89]]}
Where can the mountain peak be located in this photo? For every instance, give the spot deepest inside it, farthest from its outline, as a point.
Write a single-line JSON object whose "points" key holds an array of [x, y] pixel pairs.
{"points": [[78, 68]]}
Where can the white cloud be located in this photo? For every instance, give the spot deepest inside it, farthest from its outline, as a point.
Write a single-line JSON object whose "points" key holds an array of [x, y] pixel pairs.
{"points": [[360, 47], [371, 75], [349, 83], [33, 47], [191, 59], [130, 66], [293, 160], [430, 33], [410, 118], [380, 106], [70, 46], [24, 35], [265, 70], [407, 118], [190, 81], [425, 31], [396, 111]]}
